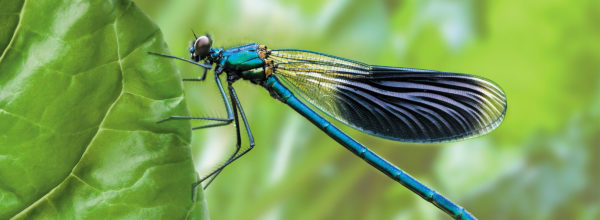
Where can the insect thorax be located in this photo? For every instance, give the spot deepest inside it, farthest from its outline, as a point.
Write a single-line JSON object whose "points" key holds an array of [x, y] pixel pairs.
{"points": [[249, 62]]}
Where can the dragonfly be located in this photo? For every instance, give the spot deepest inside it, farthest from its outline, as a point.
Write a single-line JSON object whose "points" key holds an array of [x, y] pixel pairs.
{"points": [[397, 103]]}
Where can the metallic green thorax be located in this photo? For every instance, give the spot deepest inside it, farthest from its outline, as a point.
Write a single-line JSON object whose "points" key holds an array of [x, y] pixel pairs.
{"points": [[246, 61]]}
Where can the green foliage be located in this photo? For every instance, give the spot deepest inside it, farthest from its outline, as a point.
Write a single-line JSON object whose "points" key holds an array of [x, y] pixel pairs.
{"points": [[79, 101]]}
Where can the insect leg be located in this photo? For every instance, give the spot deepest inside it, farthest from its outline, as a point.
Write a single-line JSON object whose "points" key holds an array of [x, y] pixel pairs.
{"points": [[203, 77], [203, 65], [235, 155], [221, 121]]}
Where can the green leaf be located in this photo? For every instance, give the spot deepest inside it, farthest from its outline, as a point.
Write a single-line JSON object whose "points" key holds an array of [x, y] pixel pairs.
{"points": [[79, 101]]}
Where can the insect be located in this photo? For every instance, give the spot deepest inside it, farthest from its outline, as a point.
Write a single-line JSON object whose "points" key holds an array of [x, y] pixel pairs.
{"points": [[403, 104]]}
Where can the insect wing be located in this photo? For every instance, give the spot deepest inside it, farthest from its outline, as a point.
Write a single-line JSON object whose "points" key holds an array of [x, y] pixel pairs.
{"points": [[404, 104]]}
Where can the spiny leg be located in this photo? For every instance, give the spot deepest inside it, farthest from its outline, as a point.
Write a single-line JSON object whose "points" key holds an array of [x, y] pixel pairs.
{"points": [[203, 77], [193, 117], [235, 155], [222, 121], [216, 172], [212, 125], [248, 131], [238, 138], [205, 70], [236, 103], [213, 175], [245, 120], [205, 66]]}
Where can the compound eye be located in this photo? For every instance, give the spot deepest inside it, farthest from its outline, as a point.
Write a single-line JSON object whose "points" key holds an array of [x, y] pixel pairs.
{"points": [[202, 46], [191, 50]]}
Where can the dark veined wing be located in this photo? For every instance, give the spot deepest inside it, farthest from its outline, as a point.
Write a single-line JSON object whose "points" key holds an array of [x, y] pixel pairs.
{"points": [[396, 103]]}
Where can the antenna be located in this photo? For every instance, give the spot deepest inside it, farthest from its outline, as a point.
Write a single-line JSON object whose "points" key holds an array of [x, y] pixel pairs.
{"points": [[195, 36]]}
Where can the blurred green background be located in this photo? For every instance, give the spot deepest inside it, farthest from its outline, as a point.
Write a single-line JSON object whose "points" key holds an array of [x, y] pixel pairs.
{"points": [[541, 163]]}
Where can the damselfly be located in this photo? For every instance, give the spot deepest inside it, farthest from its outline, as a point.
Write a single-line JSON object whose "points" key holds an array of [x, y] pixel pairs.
{"points": [[403, 104]]}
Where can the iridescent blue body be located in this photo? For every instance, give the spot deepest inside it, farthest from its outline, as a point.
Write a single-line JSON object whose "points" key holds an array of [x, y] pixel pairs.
{"points": [[396, 103], [243, 61], [363, 152]]}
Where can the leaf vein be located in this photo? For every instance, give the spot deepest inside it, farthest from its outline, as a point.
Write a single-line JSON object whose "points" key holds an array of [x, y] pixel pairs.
{"points": [[22, 118], [95, 135], [12, 39]]}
